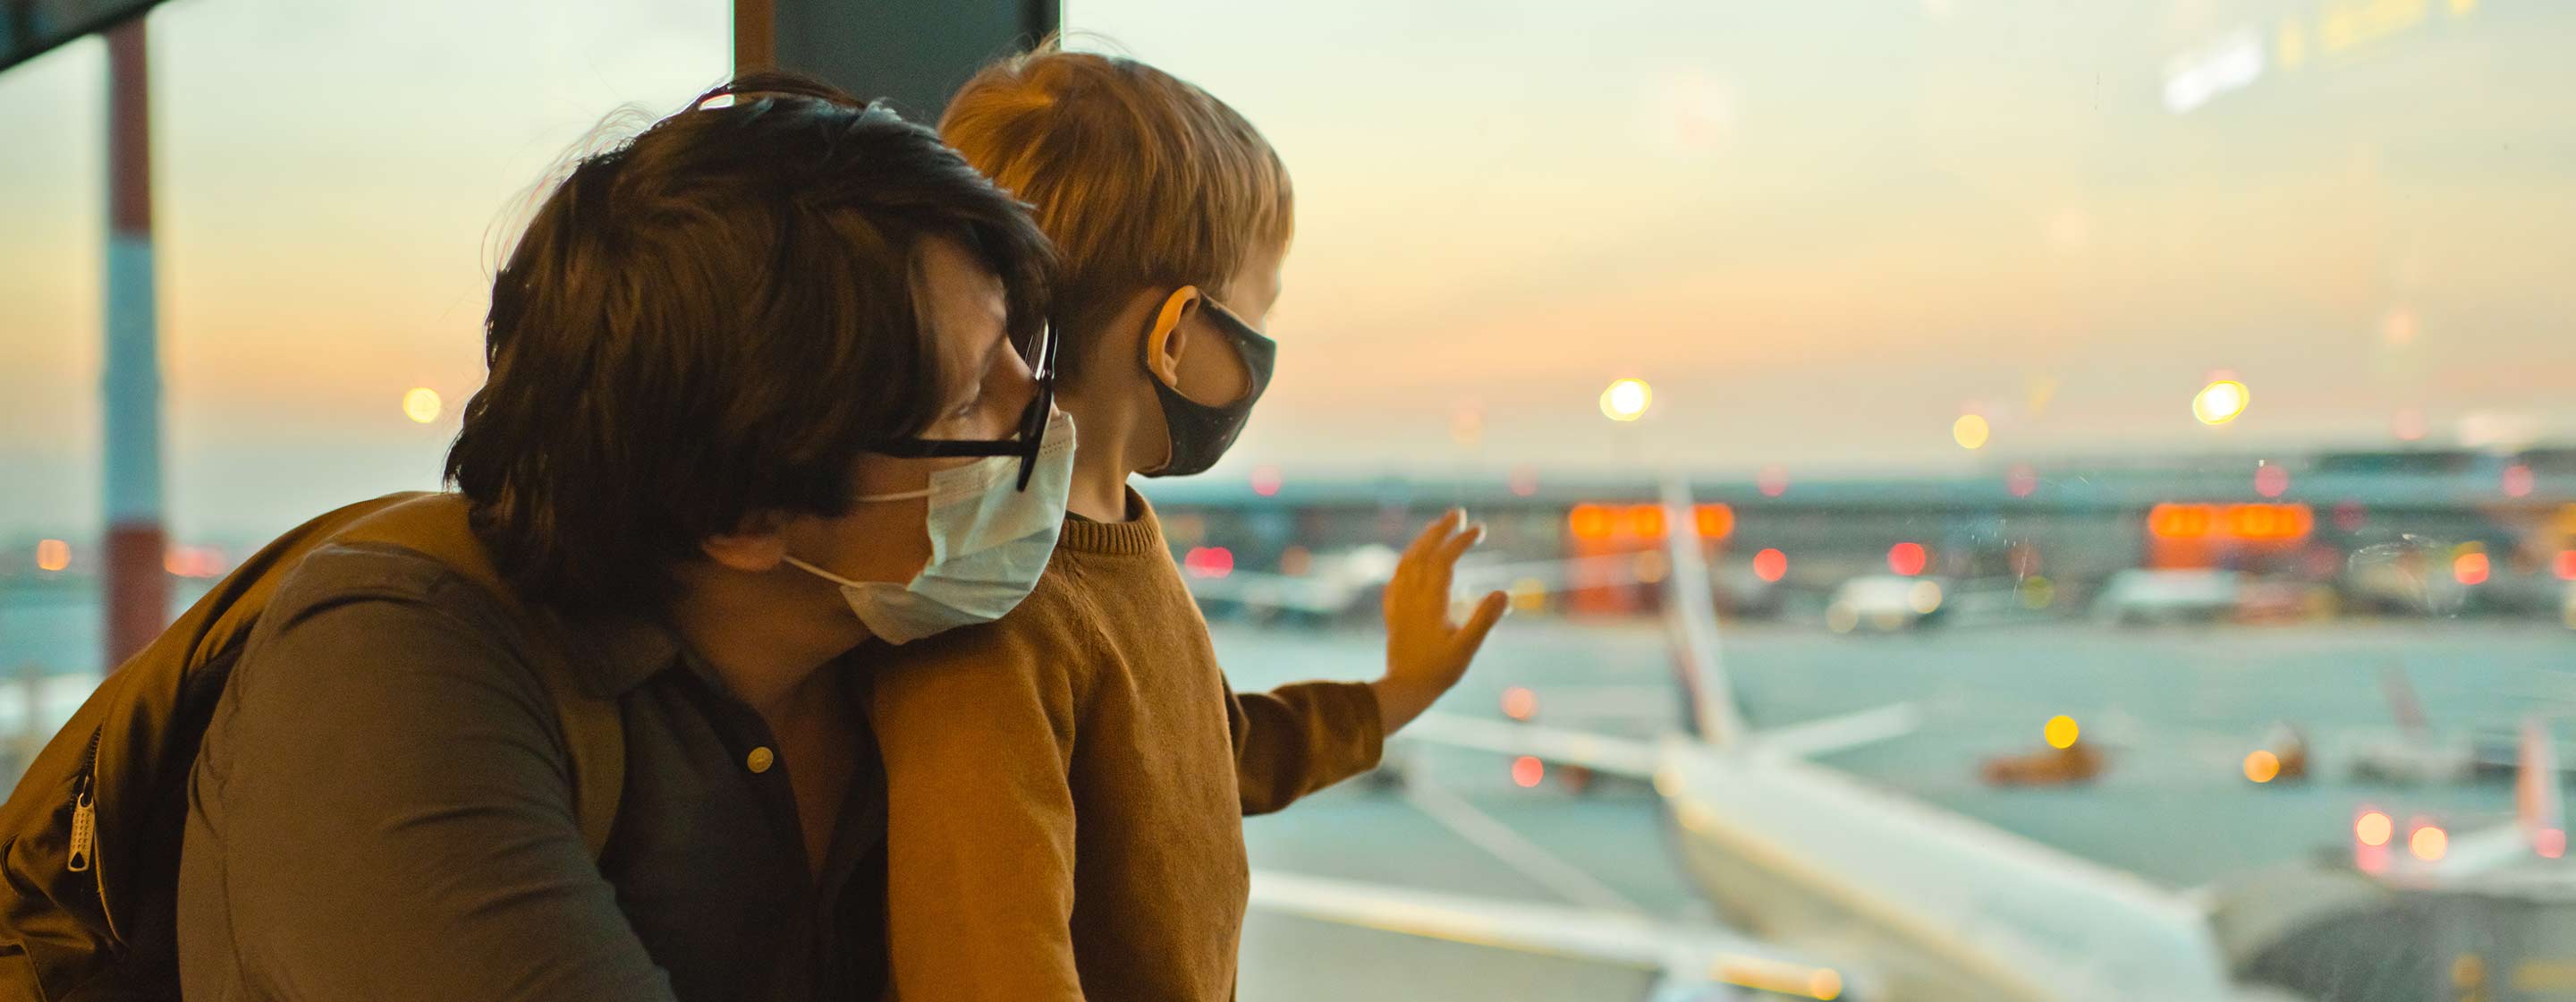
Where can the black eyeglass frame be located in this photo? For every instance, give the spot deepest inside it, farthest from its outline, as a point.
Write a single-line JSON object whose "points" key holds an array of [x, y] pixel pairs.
{"points": [[1025, 444]]}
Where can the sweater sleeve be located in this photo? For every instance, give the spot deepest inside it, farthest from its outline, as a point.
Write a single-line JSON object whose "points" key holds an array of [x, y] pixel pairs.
{"points": [[977, 733], [1297, 739]]}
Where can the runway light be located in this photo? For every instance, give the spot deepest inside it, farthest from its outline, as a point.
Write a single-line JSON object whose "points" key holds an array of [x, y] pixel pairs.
{"points": [[2061, 732], [1588, 521], [422, 404], [1716, 520], [2470, 568], [1627, 400], [2270, 481], [1970, 431], [2373, 828], [2220, 402], [2550, 843], [2182, 521], [1208, 562], [53, 555], [1519, 703], [1772, 565], [1646, 521], [1527, 771], [2262, 766], [2429, 843], [2517, 481], [1265, 481], [2022, 481], [1907, 559]]}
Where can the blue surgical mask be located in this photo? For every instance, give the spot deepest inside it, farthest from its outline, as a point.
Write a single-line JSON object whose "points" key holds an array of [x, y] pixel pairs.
{"points": [[989, 543]]}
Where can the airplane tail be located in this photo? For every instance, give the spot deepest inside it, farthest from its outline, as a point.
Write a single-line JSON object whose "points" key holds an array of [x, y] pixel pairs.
{"points": [[1690, 616], [2535, 795]]}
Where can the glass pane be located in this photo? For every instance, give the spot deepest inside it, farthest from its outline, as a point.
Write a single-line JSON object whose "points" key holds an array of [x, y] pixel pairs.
{"points": [[331, 184], [2183, 384]]}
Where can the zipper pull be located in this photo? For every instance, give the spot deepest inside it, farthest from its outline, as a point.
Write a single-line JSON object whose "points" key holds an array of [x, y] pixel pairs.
{"points": [[84, 834]]}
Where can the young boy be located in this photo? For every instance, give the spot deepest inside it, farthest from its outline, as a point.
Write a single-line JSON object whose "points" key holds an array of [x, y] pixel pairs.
{"points": [[1065, 786]]}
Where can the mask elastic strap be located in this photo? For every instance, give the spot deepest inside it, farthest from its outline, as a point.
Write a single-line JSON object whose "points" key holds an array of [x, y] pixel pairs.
{"points": [[1166, 323], [819, 572], [901, 496]]}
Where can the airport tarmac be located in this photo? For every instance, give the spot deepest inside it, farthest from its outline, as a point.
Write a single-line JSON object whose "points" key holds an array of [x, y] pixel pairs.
{"points": [[2176, 707]]}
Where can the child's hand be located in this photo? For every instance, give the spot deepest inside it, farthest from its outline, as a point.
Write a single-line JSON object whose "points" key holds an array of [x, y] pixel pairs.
{"points": [[1425, 652]]}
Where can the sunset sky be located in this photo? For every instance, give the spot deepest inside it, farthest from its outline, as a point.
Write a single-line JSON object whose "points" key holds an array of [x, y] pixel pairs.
{"points": [[1823, 229]]}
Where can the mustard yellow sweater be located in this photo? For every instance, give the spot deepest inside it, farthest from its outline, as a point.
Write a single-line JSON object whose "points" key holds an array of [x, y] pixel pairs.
{"points": [[1066, 786]]}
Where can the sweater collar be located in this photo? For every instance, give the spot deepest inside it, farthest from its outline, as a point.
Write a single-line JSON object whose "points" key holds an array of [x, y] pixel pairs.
{"points": [[1142, 534]]}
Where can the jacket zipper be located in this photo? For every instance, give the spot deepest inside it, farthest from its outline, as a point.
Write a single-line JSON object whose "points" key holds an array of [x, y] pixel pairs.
{"points": [[83, 856]]}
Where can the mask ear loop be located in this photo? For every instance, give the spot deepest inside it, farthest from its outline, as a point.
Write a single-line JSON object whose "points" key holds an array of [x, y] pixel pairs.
{"points": [[1167, 323]]}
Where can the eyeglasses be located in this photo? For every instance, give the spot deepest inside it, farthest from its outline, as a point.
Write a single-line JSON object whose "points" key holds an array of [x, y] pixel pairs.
{"points": [[1024, 444]]}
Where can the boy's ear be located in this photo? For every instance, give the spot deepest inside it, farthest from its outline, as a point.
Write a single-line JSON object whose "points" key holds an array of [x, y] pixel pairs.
{"points": [[756, 546], [1169, 338]]}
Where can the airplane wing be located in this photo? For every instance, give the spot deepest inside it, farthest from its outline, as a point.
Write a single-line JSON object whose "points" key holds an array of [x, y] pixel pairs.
{"points": [[1614, 756], [1628, 939], [1832, 734]]}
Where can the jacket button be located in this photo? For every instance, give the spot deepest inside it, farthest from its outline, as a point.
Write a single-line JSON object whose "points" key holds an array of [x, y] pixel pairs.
{"points": [[760, 759]]}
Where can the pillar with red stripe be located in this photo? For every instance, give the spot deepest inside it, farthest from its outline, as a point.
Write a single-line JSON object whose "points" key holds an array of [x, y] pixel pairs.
{"points": [[138, 588]]}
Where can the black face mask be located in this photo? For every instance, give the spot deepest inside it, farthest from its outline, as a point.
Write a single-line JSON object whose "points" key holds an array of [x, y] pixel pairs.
{"points": [[1200, 432]]}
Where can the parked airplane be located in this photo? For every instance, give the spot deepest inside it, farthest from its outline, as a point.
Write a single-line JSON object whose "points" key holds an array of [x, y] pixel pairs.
{"points": [[1859, 892]]}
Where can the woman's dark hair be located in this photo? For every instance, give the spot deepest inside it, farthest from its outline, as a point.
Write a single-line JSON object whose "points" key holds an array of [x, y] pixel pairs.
{"points": [[714, 319]]}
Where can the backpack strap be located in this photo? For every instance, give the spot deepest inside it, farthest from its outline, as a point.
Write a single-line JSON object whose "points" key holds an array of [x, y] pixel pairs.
{"points": [[438, 526]]}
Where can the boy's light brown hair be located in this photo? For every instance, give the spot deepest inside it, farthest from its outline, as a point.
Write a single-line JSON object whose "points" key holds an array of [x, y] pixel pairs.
{"points": [[1143, 180]]}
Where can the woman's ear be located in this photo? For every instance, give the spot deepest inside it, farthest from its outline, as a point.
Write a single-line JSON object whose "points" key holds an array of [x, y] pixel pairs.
{"points": [[756, 546], [1169, 338]]}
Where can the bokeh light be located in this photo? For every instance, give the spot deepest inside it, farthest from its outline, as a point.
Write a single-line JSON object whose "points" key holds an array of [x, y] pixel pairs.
{"points": [[2061, 731], [2220, 402], [1907, 559], [53, 555], [2373, 828], [2429, 843], [2470, 568], [2262, 766], [1627, 399], [423, 405], [1771, 565], [1527, 771], [2271, 481], [1970, 431], [1208, 562]]}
